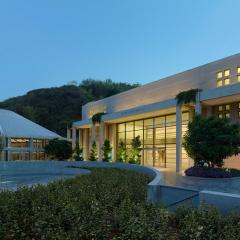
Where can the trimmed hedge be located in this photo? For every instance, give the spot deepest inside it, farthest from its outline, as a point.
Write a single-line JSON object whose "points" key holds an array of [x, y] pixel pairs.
{"points": [[209, 172], [106, 204]]}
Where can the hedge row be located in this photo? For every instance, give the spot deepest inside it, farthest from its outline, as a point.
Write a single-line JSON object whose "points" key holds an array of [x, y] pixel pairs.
{"points": [[107, 204]]}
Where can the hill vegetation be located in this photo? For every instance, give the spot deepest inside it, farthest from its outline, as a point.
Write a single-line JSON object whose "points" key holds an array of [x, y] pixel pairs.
{"points": [[56, 107]]}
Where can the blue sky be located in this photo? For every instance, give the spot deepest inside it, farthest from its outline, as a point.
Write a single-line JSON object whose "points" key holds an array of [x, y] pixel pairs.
{"points": [[51, 42]]}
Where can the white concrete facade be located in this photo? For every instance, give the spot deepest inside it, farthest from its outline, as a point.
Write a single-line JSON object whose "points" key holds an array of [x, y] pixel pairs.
{"points": [[156, 100]]}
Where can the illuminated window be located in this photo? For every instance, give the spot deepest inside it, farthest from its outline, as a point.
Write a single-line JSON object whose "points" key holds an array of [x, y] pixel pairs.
{"points": [[238, 105], [219, 75], [223, 78], [227, 115], [219, 83], [224, 111], [226, 81], [226, 73], [238, 74]]}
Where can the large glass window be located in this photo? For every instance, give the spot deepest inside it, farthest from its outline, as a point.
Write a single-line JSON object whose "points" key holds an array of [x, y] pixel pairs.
{"points": [[19, 142], [158, 139]]}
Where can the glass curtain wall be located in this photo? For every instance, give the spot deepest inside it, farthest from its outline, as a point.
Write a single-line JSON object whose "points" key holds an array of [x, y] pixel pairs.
{"points": [[158, 139]]}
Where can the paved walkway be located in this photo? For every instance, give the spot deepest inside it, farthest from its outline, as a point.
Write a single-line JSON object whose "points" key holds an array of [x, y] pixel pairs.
{"points": [[228, 185]]}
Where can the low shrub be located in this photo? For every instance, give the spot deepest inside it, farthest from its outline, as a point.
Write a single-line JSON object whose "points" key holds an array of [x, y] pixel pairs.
{"points": [[106, 204], [209, 172]]}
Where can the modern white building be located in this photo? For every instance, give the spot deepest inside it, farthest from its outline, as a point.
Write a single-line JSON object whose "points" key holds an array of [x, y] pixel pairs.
{"points": [[151, 112], [23, 139]]}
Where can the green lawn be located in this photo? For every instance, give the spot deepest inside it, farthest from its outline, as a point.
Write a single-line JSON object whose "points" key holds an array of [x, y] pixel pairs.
{"points": [[106, 204]]}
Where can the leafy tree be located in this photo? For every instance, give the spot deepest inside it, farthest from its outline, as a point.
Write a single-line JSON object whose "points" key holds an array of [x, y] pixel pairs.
{"points": [[121, 152], [106, 151], [93, 152], [59, 149], [188, 96], [210, 140], [135, 156], [78, 153], [46, 106]]}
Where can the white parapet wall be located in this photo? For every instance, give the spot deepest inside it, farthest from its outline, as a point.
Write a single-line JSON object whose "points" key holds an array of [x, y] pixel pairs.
{"points": [[224, 202]]}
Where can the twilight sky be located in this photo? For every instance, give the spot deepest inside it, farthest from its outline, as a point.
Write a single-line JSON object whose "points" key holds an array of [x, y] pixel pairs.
{"points": [[51, 42]]}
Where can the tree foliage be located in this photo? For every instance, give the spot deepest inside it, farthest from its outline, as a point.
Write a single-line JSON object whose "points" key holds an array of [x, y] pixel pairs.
{"points": [[135, 156], [187, 97], [62, 105], [78, 153], [211, 140], [106, 151], [121, 152], [93, 152], [59, 149], [96, 118]]}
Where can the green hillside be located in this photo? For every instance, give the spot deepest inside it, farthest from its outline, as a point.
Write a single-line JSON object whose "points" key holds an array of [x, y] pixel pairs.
{"points": [[56, 107]]}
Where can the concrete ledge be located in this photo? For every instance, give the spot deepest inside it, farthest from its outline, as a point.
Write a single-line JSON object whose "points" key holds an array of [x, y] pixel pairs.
{"points": [[224, 202]]}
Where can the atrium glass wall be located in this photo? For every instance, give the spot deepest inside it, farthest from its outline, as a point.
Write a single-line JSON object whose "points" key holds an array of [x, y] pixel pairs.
{"points": [[158, 138]]}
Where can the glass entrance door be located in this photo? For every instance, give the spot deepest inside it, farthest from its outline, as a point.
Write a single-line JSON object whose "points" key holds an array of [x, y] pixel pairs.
{"points": [[155, 157]]}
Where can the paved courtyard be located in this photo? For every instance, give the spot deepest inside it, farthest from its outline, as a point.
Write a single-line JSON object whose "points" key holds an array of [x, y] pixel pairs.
{"points": [[228, 185]]}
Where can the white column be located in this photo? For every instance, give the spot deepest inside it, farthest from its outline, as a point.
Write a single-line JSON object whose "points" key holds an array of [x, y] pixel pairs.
{"points": [[74, 135], [92, 134], [114, 142], [31, 149], [85, 143], [178, 138], [101, 140], [8, 151], [68, 133], [198, 108]]}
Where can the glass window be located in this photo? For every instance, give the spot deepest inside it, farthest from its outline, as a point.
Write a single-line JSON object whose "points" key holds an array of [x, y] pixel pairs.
{"points": [[121, 137], [238, 105], [227, 115], [148, 137], [226, 81], [148, 123], [171, 120], [219, 83], [227, 73], [220, 115], [138, 125], [219, 75], [238, 78], [220, 108], [121, 127], [227, 107], [159, 121], [238, 70], [129, 137], [129, 126]]}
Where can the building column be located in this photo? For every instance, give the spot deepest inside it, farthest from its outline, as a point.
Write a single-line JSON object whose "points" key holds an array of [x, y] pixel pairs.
{"points": [[198, 107], [114, 142], [74, 135], [31, 149], [8, 149], [101, 140], [68, 133], [178, 138], [93, 134], [85, 143]]}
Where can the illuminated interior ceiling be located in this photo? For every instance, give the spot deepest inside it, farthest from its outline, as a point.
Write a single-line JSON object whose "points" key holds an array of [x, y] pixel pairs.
{"points": [[222, 100]]}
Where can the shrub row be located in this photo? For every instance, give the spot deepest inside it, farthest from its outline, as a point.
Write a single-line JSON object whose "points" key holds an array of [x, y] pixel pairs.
{"points": [[107, 204], [210, 172]]}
